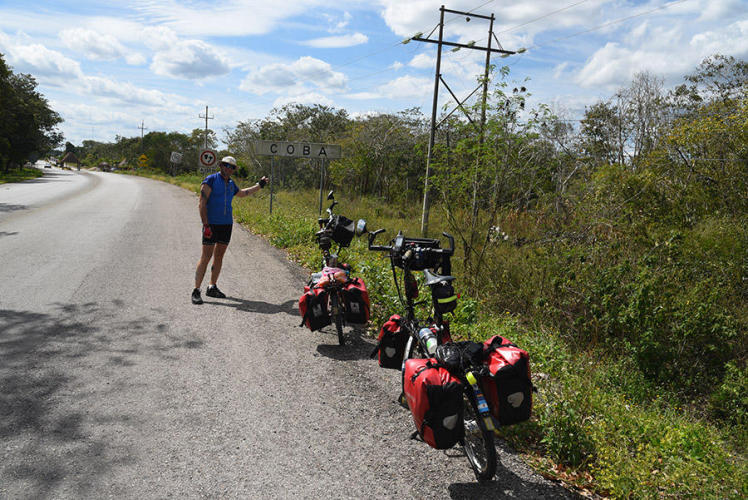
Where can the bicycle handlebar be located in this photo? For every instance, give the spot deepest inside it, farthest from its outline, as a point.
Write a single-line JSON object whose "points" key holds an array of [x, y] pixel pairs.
{"points": [[377, 248], [401, 242]]}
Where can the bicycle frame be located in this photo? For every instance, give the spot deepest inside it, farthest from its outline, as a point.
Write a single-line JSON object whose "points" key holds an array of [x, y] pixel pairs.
{"points": [[478, 441]]}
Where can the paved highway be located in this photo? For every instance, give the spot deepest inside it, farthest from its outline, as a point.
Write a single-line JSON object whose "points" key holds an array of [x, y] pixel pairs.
{"points": [[112, 384]]}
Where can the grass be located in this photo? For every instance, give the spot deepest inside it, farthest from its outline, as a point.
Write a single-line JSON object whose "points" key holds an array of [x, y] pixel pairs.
{"points": [[20, 174], [598, 424]]}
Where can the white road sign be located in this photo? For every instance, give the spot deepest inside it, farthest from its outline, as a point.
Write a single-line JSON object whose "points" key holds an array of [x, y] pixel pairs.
{"points": [[298, 149], [176, 157], [208, 157]]}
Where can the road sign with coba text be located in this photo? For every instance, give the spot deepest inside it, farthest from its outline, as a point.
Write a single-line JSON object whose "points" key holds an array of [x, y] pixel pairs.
{"points": [[298, 149]]}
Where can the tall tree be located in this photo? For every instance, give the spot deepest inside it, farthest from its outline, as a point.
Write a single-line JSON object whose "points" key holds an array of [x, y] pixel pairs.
{"points": [[27, 123]]}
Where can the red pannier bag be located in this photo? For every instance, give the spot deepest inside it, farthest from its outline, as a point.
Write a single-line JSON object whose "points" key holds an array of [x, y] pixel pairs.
{"points": [[356, 301], [391, 344], [508, 389], [313, 308], [435, 399]]}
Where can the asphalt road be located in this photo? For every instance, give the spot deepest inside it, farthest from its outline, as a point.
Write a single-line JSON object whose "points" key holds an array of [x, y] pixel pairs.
{"points": [[112, 384]]}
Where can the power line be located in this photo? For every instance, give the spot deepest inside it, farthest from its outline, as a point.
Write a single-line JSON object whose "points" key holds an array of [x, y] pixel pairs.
{"points": [[541, 17], [609, 23]]}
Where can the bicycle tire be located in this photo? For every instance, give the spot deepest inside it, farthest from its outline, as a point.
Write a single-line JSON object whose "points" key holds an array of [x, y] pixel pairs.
{"points": [[338, 317], [478, 442]]}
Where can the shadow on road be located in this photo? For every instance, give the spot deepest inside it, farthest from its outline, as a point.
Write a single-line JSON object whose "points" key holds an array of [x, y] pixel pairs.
{"points": [[256, 306], [51, 365], [507, 484], [49, 177], [7, 208], [355, 346]]}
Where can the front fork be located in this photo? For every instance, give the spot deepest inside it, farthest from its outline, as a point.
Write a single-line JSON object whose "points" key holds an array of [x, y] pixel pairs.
{"points": [[483, 410]]}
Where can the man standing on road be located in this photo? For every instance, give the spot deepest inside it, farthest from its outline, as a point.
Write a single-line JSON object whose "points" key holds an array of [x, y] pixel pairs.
{"points": [[216, 192]]}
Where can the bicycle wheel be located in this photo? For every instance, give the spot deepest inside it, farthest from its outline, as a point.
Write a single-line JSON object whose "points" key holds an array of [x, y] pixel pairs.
{"points": [[478, 441], [337, 312]]}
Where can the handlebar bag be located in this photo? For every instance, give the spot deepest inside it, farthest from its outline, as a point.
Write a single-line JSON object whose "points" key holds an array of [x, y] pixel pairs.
{"points": [[313, 308], [507, 388], [391, 344], [444, 297], [435, 400], [343, 230], [356, 298]]}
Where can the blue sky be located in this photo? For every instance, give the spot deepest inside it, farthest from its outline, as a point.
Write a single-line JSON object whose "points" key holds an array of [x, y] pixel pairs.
{"points": [[107, 66]]}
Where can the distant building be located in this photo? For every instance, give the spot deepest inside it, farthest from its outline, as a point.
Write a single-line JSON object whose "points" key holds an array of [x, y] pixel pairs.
{"points": [[70, 160]]}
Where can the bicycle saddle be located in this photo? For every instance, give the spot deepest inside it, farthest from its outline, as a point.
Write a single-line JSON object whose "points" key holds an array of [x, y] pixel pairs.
{"points": [[435, 279]]}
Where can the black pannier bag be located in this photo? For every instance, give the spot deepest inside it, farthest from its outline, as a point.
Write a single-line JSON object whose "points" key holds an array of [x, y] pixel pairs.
{"points": [[343, 230], [391, 344], [445, 299], [313, 308]]}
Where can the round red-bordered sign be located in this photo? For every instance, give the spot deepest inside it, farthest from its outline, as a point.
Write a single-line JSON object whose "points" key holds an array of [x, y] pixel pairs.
{"points": [[208, 157]]}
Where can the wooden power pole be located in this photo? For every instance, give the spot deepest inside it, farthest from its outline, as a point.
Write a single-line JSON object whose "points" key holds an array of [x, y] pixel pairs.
{"points": [[438, 78]]}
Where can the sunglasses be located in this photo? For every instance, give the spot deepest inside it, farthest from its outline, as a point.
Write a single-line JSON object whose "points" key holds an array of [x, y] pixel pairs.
{"points": [[228, 165]]}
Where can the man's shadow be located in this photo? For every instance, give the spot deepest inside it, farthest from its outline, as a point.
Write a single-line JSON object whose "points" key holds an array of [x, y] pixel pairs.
{"points": [[257, 306]]}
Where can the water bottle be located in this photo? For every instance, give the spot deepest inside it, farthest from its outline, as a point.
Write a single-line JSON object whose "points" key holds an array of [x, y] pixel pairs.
{"points": [[428, 340]]}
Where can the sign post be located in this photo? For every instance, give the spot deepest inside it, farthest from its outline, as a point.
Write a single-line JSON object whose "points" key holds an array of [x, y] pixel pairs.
{"points": [[174, 160], [309, 150], [321, 182], [272, 162]]}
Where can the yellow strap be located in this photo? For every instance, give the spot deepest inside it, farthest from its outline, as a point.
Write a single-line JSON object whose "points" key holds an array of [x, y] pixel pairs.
{"points": [[448, 299]]}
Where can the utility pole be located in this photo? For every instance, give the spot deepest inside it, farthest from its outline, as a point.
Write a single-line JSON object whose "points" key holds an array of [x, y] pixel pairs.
{"points": [[438, 78], [206, 125], [142, 128]]}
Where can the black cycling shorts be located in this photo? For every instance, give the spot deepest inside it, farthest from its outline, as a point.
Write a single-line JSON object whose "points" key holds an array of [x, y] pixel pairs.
{"points": [[221, 234]]}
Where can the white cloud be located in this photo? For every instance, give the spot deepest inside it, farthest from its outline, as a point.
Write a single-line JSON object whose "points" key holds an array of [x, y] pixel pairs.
{"points": [[228, 18], [308, 98], [334, 42], [422, 61], [160, 37], [124, 92], [337, 25], [190, 59], [406, 86], [731, 41], [98, 46], [558, 71], [305, 70], [43, 62], [397, 65], [407, 18], [363, 96], [661, 53], [712, 10]]}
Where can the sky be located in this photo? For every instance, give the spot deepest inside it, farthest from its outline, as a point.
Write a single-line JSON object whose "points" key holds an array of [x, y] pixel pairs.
{"points": [[110, 67]]}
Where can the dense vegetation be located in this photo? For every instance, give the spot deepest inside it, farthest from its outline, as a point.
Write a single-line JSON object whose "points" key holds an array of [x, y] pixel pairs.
{"points": [[615, 251], [27, 123]]}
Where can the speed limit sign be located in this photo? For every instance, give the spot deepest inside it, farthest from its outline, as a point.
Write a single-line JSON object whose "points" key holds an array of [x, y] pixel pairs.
{"points": [[208, 157]]}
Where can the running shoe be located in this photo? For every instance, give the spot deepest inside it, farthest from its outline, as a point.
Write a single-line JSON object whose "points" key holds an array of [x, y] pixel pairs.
{"points": [[213, 291], [196, 299]]}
